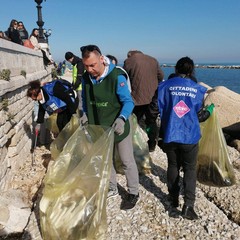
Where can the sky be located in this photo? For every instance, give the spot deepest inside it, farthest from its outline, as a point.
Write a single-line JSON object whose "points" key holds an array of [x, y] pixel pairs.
{"points": [[208, 31]]}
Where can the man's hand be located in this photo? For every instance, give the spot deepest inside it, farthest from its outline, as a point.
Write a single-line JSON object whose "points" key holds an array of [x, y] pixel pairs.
{"points": [[118, 126]]}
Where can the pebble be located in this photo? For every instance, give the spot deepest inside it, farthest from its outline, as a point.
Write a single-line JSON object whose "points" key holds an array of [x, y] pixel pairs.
{"points": [[151, 218]]}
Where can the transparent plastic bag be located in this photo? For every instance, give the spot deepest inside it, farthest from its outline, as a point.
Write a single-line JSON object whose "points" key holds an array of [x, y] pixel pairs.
{"points": [[51, 123], [213, 166], [140, 149], [73, 205], [57, 145]]}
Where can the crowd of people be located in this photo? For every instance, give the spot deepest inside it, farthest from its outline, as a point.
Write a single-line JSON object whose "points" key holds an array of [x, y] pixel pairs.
{"points": [[18, 34], [109, 94]]}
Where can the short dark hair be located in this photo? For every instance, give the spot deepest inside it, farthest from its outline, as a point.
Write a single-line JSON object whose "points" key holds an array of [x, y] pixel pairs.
{"points": [[34, 88], [68, 55], [86, 50]]}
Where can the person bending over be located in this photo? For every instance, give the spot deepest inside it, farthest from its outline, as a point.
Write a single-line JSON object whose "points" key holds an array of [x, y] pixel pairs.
{"points": [[56, 96]]}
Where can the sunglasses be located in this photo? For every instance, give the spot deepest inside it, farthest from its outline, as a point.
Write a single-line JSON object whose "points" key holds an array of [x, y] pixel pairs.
{"points": [[90, 48]]}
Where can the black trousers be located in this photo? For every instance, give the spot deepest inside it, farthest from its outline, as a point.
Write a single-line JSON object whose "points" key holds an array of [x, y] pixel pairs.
{"points": [[147, 116], [46, 60], [64, 117], [185, 156]]}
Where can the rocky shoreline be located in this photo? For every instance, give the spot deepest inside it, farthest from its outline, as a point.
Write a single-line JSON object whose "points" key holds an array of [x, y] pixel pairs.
{"points": [[208, 66], [152, 218]]}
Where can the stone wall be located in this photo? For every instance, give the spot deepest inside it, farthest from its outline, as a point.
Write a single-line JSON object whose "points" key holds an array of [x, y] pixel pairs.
{"points": [[15, 108]]}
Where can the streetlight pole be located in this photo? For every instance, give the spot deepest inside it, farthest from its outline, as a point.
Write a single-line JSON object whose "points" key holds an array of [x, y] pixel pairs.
{"points": [[40, 22], [47, 33]]}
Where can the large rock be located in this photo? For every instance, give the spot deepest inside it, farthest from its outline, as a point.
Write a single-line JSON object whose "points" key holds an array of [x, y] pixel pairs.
{"points": [[226, 104], [14, 212]]}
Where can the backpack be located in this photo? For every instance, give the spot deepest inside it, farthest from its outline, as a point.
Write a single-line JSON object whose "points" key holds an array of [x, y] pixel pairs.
{"points": [[27, 43]]}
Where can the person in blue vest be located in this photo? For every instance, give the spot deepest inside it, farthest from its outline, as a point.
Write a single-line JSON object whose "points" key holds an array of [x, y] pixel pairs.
{"points": [[107, 101], [56, 96], [180, 102]]}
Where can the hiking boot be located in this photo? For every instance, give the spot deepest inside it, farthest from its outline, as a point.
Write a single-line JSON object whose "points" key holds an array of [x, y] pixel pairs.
{"points": [[130, 202], [112, 193], [189, 213]]}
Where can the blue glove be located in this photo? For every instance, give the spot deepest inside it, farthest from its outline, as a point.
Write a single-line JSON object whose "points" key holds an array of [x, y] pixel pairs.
{"points": [[210, 108], [118, 126]]}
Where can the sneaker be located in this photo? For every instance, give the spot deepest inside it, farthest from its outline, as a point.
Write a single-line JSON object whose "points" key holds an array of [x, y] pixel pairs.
{"points": [[130, 202], [112, 193], [189, 213]]}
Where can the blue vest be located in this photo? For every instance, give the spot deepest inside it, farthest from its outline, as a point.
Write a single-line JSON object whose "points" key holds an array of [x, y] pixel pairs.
{"points": [[54, 104], [179, 101]]}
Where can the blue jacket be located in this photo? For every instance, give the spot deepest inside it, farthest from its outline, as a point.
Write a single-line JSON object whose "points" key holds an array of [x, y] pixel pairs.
{"points": [[179, 101], [123, 93]]}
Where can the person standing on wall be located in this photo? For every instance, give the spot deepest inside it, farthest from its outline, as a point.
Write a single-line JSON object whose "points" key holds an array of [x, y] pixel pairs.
{"points": [[145, 74], [107, 101], [77, 72]]}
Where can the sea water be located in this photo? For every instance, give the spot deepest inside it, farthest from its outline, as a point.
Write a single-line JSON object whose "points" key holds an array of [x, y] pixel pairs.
{"points": [[229, 78]]}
